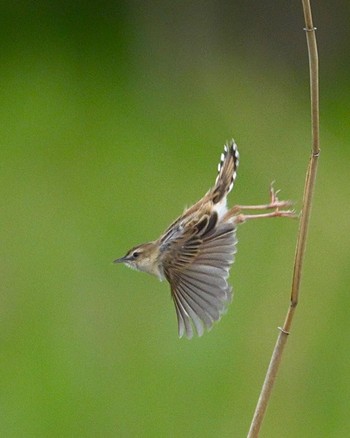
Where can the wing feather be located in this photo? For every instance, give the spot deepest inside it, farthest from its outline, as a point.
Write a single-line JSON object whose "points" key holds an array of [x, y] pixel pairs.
{"points": [[208, 307], [206, 298], [189, 315], [197, 268], [204, 289], [184, 322]]}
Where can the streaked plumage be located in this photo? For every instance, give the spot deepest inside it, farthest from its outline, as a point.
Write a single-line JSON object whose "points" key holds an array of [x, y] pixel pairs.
{"points": [[195, 254], [196, 251]]}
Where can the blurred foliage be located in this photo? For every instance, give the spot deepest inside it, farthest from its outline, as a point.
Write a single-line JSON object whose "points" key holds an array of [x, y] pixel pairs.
{"points": [[113, 118]]}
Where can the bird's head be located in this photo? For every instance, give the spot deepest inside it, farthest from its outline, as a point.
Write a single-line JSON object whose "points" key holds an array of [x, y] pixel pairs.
{"points": [[143, 258]]}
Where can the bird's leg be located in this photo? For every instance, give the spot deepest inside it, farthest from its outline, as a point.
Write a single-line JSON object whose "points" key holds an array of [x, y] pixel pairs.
{"points": [[240, 218], [275, 204]]}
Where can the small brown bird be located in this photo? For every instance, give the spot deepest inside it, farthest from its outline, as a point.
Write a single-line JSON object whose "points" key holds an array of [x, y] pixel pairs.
{"points": [[195, 253]]}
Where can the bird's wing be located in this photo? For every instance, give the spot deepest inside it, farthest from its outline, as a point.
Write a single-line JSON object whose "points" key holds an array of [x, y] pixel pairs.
{"points": [[196, 258]]}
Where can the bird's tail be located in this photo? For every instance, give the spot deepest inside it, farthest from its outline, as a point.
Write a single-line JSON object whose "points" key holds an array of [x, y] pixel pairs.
{"points": [[227, 172]]}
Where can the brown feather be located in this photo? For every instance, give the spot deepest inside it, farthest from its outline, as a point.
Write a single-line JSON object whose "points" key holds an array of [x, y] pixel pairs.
{"points": [[197, 267]]}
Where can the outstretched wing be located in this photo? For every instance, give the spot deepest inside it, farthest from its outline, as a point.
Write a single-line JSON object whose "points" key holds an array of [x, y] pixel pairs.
{"points": [[196, 261]]}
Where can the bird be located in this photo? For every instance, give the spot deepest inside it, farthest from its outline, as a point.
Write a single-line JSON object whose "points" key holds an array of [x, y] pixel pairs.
{"points": [[195, 253]]}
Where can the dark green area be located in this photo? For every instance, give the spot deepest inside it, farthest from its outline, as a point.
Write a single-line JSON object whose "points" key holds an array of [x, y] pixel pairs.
{"points": [[113, 118]]}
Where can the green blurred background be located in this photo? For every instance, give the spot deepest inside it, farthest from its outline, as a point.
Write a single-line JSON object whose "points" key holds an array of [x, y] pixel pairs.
{"points": [[113, 118]]}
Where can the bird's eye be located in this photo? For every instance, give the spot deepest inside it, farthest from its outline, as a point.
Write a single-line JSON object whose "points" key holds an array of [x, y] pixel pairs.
{"points": [[135, 254]]}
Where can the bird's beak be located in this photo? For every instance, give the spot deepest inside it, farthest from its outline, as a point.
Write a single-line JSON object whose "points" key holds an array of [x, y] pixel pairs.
{"points": [[121, 260]]}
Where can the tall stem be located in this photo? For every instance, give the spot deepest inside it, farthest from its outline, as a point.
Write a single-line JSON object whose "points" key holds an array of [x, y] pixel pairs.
{"points": [[303, 227]]}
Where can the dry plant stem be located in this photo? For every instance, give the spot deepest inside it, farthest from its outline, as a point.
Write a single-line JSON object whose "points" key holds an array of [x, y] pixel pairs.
{"points": [[303, 228]]}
